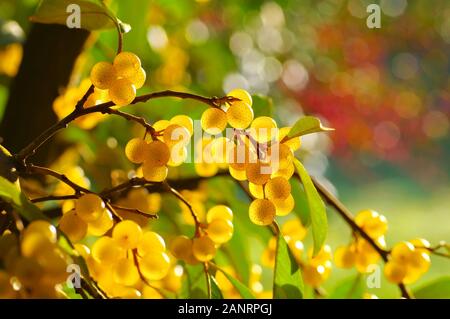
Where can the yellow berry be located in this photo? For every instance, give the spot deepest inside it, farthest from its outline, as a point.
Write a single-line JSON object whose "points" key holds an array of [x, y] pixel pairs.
{"points": [[127, 234], [238, 174], [344, 257], [127, 64], [257, 191], [294, 229], [42, 227], [181, 247], [73, 226], [293, 143], [280, 156], [125, 272], [419, 261], [394, 272], [136, 150], [219, 212], [100, 226], [220, 230], [314, 275], [421, 244], [258, 173], [103, 75], [154, 173], [277, 188], [372, 222], [82, 250], [206, 169], [213, 120], [241, 94], [158, 153], [155, 265], [322, 256], [151, 242], [161, 125], [185, 121], [138, 78], [203, 248], [263, 129], [122, 92], [107, 251], [89, 207], [33, 244], [402, 252], [239, 115], [284, 206], [175, 134], [262, 212]]}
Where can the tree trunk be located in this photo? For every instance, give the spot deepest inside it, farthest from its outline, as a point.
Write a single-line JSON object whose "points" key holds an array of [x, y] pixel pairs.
{"points": [[49, 56]]}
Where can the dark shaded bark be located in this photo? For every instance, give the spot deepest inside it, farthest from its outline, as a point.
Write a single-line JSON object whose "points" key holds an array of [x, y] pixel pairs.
{"points": [[49, 56]]}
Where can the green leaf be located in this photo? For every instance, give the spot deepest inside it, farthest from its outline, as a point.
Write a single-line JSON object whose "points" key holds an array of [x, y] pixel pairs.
{"points": [[307, 125], [288, 283], [240, 287], [11, 194], [349, 288], [317, 211], [195, 286], [436, 289], [93, 16], [301, 208], [216, 293]]}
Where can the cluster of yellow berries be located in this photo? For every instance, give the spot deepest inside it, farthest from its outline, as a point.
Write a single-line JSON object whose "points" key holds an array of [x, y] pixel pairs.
{"points": [[315, 269], [119, 79], [203, 248], [409, 260], [34, 265], [360, 253], [117, 262], [167, 149], [88, 216], [65, 103]]}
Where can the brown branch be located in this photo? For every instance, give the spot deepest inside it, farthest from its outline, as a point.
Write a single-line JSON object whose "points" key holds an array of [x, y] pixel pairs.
{"points": [[178, 195], [349, 219], [131, 117], [33, 169], [105, 108], [135, 211], [82, 101], [53, 197]]}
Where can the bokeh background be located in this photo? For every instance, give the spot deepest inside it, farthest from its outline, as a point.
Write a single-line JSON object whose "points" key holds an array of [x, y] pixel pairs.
{"points": [[386, 91]]}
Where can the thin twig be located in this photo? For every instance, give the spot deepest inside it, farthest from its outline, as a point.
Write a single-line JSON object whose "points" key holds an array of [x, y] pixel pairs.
{"points": [[105, 108], [135, 211], [54, 197], [349, 219], [33, 169], [189, 206]]}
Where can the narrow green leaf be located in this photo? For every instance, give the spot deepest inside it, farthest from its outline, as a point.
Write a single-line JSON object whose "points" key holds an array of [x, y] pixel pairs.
{"points": [[93, 16], [317, 211], [11, 194], [216, 293], [301, 208], [288, 283], [243, 290], [307, 125], [436, 289], [195, 286], [349, 288]]}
